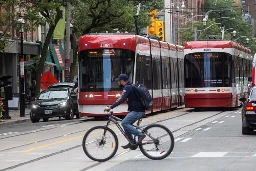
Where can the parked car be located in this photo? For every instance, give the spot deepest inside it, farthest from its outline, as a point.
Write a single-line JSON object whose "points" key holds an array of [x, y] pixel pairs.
{"points": [[54, 102], [62, 85], [249, 112]]}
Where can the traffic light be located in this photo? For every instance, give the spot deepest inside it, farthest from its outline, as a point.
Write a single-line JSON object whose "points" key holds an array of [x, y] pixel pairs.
{"points": [[160, 29], [152, 27]]}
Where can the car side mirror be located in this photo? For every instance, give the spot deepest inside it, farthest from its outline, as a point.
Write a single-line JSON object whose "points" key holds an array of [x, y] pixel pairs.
{"points": [[243, 99]]}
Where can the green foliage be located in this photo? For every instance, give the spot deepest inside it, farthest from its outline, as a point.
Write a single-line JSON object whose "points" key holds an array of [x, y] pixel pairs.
{"points": [[90, 16], [230, 16]]}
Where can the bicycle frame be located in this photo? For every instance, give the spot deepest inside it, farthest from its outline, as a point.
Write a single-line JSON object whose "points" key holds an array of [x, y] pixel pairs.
{"points": [[115, 120]]}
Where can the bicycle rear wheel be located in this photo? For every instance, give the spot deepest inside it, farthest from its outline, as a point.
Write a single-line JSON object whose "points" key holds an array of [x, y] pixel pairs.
{"points": [[158, 143], [100, 143]]}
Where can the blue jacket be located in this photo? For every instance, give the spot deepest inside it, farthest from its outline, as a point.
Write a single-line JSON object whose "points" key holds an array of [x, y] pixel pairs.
{"points": [[131, 98]]}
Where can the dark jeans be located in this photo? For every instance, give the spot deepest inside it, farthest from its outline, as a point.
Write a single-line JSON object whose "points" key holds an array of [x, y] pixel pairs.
{"points": [[127, 122]]}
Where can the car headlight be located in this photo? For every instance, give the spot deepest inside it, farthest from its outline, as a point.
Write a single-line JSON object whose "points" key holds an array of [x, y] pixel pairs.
{"points": [[35, 106], [62, 104]]}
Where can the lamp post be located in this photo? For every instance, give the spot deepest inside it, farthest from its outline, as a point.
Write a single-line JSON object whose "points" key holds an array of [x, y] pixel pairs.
{"points": [[21, 21]]}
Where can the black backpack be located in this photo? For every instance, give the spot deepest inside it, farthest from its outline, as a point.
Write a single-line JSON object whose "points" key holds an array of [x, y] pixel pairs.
{"points": [[143, 95]]}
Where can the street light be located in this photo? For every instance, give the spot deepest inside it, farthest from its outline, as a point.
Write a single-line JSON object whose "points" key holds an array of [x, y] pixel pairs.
{"points": [[204, 21], [21, 21], [234, 33], [247, 40]]}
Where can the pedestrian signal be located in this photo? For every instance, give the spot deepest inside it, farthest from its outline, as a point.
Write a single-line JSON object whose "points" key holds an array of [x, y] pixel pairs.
{"points": [[160, 30]]}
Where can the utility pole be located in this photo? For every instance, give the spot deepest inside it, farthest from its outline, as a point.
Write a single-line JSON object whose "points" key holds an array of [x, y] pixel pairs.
{"points": [[67, 44]]}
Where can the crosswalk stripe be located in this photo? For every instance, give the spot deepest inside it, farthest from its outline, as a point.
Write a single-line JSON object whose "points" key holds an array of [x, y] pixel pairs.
{"points": [[210, 154]]}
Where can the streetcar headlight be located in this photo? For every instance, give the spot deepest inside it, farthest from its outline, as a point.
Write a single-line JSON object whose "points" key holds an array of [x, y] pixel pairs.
{"points": [[91, 95], [191, 91], [223, 90], [118, 95]]}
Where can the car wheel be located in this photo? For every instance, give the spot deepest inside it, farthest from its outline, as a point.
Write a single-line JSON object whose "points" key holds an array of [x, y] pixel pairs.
{"points": [[45, 119], [34, 120], [246, 130], [70, 115]]}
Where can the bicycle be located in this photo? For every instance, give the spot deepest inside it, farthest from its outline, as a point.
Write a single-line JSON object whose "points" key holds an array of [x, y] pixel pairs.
{"points": [[152, 146]]}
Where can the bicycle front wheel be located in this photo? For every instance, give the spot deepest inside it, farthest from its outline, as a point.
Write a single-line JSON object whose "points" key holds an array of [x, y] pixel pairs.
{"points": [[100, 143], [159, 142]]}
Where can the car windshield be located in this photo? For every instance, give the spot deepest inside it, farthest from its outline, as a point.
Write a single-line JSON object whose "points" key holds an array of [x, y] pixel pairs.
{"points": [[53, 94]]}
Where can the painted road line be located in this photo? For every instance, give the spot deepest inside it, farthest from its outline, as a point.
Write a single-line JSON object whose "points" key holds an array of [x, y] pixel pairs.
{"points": [[206, 129], [221, 121], [185, 140], [233, 116], [227, 116], [254, 155], [197, 129], [177, 139], [78, 137], [214, 121], [210, 154]]}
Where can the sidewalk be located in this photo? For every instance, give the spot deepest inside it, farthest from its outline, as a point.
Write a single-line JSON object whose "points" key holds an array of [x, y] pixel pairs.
{"points": [[15, 117]]}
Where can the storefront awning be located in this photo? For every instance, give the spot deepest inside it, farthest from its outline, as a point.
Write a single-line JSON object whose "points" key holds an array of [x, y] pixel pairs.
{"points": [[57, 54]]}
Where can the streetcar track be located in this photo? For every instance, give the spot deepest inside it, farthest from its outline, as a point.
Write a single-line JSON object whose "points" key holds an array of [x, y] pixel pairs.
{"points": [[39, 130], [63, 135], [116, 156], [59, 136]]}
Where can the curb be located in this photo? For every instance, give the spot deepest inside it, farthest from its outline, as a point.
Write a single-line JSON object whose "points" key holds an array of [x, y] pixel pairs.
{"points": [[14, 122]]}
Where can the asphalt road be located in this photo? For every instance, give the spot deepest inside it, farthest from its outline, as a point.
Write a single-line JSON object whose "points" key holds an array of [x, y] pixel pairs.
{"points": [[204, 140]]}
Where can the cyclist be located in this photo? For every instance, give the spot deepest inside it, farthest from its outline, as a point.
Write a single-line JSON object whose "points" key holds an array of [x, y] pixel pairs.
{"points": [[136, 111]]}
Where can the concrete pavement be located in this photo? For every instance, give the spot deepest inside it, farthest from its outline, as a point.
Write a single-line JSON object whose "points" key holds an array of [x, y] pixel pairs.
{"points": [[15, 117]]}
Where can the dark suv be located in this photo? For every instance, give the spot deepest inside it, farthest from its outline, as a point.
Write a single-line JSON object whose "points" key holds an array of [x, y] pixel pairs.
{"points": [[54, 102], [249, 113]]}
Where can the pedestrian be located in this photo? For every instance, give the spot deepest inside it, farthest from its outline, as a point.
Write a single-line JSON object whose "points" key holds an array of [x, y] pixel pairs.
{"points": [[33, 89], [135, 108]]}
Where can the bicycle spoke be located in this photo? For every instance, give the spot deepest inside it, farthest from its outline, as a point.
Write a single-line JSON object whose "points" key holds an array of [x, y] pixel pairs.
{"points": [[99, 147], [159, 142]]}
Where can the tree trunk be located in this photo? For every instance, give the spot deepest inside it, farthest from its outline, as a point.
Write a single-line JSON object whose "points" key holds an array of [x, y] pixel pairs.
{"points": [[73, 66], [40, 66]]}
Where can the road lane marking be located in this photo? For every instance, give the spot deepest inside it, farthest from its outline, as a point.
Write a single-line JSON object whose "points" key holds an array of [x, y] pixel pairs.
{"points": [[51, 144], [233, 116], [214, 121], [206, 129], [197, 129], [67, 140], [185, 140], [254, 155], [177, 139], [210, 154], [227, 116], [221, 121]]}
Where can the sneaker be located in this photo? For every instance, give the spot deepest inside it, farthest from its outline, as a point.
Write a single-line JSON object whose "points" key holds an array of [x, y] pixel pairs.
{"points": [[132, 147], [140, 138], [126, 146]]}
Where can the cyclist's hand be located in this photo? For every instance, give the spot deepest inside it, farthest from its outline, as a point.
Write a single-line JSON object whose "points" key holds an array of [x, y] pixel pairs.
{"points": [[107, 109]]}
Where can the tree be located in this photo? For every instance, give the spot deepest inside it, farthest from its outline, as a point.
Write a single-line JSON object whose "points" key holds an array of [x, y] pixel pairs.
{"points": [[229, 15], [107, 16]]}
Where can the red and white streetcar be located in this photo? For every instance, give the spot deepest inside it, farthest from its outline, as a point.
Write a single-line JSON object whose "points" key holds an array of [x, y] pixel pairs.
{"points": [[216, 73], [102, 57]]}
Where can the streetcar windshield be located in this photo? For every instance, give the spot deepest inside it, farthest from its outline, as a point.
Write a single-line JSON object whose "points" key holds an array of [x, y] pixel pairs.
{"points": [[99, 68], [208, 69]]}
